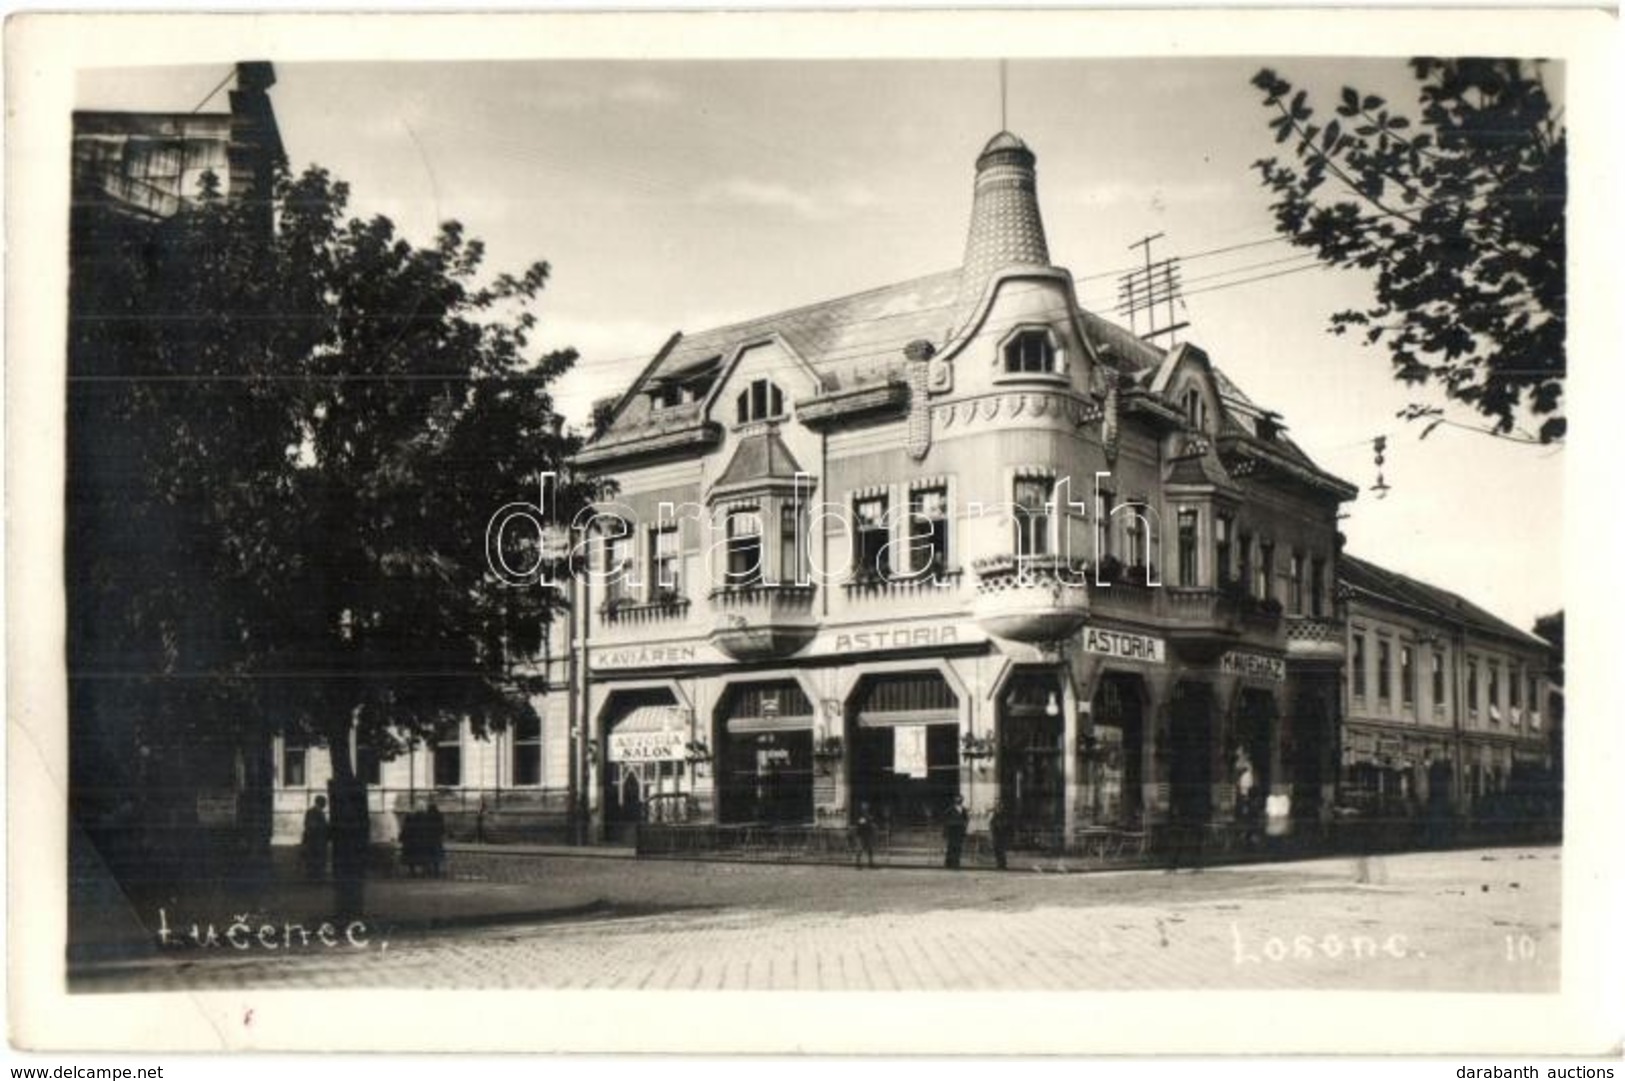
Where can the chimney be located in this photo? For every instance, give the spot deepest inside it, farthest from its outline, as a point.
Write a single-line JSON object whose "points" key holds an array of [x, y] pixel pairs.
{"points": [[1005, 227]]}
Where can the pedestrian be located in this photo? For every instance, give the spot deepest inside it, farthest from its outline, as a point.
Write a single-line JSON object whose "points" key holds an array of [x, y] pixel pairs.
{"points": [[434, 838], [863, 834], [953, 830], [313, 842], [999, 826]]}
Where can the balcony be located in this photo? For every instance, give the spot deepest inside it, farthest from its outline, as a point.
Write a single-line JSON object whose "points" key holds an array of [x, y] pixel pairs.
{"points": [[912, 591], [625, 612], [1030, 598], [1314, 638], [763, 621], [1207, 621]]}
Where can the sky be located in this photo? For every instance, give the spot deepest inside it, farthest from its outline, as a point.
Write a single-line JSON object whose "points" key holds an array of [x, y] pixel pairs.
{"points": [[680, 195]]}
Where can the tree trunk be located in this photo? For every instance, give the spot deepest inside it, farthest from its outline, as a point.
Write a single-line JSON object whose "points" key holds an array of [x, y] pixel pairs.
{"points": [[351, 828]]}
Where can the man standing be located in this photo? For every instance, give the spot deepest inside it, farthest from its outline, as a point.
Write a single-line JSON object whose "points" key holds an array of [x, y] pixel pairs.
{"points": [[999, 827], [313, 842], [863, 831], [953, 828]]}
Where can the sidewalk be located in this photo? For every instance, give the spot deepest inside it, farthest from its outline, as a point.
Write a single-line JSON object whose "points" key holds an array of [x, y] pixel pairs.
{"points": [[111, 925]]}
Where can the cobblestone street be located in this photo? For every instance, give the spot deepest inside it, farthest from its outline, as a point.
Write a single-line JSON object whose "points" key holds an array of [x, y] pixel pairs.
{"points": [[1481, 920]]}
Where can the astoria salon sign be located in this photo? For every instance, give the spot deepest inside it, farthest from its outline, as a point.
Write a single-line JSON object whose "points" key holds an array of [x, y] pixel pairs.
{"points": [[1133, 647]]}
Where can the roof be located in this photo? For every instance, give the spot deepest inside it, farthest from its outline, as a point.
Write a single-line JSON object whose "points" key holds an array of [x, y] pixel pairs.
{"points": [[761, 455], [848, 341], [1004, 140], [1388, 586]]}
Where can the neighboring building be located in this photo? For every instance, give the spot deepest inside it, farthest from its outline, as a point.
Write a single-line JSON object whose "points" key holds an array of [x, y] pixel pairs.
{"points": [[132, 172], [1444, 700]]}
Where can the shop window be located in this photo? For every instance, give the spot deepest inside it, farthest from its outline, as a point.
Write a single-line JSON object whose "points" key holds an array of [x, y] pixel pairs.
{"points": [[1222, 528], [1029, 352], [663, 561], [1295, 584], [1438, 681], [1033, 496], [1384, 675], [295, 761], [1186, 521], [928, 531], [1357, 668], [1407, 677], [744, 541], [527, 751], [448, 758], [870, 534], [762, 400], [1317, 587]]}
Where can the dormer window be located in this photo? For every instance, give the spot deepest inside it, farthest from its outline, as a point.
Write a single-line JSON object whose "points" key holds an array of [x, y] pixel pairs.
{"points": [[762, 400], [1195, 409], [685, 385], [1030, 351]]}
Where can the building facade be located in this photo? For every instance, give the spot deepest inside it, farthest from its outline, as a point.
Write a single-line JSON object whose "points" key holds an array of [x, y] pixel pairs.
{"points": [[955, 536], [959, 536], [1444, 706]]}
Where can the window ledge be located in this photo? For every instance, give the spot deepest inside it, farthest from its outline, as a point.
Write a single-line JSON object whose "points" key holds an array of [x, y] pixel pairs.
{"points": [[1055, 379]]}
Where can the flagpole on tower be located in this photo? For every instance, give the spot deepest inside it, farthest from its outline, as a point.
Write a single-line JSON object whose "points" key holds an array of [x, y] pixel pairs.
{"points": [[1004, 121]]}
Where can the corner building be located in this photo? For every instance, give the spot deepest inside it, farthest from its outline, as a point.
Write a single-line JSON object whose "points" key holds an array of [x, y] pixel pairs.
{"points": [[956, 535]]}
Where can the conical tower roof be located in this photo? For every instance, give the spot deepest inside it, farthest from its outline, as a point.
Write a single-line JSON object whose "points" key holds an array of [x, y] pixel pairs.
{"points": [[1006, 229]]}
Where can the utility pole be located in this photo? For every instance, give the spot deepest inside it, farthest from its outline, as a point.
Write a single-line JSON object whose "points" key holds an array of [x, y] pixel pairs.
{"points": [[1147, 290]]}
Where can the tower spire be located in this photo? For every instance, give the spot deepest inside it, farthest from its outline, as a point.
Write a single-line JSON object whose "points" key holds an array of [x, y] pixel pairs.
{"points": [[1006, 229]]}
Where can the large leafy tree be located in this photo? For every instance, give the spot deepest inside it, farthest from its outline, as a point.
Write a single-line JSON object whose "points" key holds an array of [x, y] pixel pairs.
{"points": [[1459, 217], [285, 446]]}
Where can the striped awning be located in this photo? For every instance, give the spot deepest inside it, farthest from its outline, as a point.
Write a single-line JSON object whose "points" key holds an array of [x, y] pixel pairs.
{"points": [[652, 719]]}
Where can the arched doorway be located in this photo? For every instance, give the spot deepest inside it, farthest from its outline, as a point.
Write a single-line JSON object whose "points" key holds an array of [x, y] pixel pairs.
{"points": [[1311, 729], [766, 758], [1192, 719], [905, 747], [1032, 775], [1118, 762], [1250, 758], [645, 758]]}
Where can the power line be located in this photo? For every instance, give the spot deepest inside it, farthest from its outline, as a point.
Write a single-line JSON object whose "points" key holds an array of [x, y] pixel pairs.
{"points": [[217, 87]]}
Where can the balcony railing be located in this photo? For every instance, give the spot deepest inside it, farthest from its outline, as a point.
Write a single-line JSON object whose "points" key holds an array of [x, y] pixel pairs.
{"points": [[626, 611], [1030, 598], [763, 620], [894, 587], [1314, 638]]}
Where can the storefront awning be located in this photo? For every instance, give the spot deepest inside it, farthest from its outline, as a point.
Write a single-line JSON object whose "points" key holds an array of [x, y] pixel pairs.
{"points": [[653, 719]]}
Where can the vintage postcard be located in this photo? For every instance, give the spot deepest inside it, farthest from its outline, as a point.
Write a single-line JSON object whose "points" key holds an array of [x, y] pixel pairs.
{"points": [[893, 529]]}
